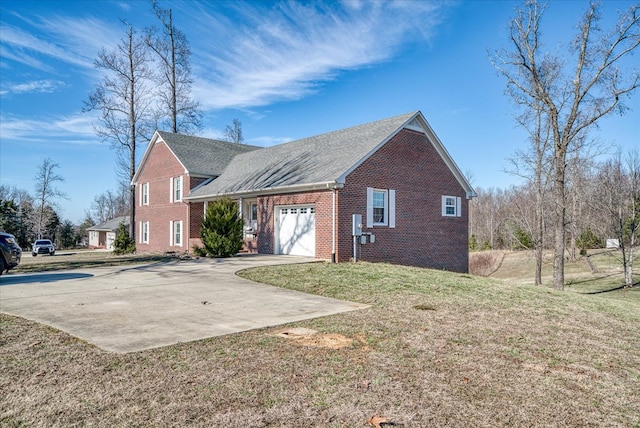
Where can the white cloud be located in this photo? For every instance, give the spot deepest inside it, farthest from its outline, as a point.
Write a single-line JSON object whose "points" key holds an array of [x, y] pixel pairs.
{"points": [[286, 51], [73, 41], [71, 33], [73, 129], [124, 6], [37, 86], [29, 47]]}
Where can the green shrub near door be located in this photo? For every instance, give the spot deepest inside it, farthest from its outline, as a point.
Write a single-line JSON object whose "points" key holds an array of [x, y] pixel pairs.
{"points": [[221, 231]]}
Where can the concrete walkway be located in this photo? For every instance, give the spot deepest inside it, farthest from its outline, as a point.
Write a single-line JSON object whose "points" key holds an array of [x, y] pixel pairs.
{"points": [[132, 308]]}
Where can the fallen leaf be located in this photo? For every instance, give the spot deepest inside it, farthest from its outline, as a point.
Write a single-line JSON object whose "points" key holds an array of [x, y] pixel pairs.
{"points": [[376, 420], [382, 422]]}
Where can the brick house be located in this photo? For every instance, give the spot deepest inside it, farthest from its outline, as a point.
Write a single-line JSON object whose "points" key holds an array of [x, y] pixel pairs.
{"points": [[300, 197], [172, 166], [104, 234]]}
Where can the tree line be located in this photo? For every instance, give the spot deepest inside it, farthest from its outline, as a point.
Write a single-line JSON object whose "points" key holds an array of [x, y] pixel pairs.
{"points": [[30, 216], [37, 215], [560, 95], [603, 201]]}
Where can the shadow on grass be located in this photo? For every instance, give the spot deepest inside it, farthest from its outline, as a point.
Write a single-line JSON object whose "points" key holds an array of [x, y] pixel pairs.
{"points": [[587, 281], [621, 287], [80, 264]]}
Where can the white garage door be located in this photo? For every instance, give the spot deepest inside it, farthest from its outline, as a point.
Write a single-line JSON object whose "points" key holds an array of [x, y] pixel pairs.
{"points": [[296, 231]]}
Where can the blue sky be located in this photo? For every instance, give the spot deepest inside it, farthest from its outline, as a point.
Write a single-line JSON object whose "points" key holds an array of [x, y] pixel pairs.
{"points": [[286, 70]]}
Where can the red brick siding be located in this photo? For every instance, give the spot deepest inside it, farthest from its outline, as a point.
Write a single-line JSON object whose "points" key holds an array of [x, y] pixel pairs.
{"points": [[323, 218], [196, 181], [408, 163], [161, 166], [196, 215], [422, 237]]}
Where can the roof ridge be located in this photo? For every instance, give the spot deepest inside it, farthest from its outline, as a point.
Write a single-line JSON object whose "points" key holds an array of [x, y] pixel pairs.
{"points": [[164, 134], [319, 158], [349, 129]]}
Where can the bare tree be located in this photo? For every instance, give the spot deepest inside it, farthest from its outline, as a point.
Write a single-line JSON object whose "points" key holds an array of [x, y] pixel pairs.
{"points": [[574, 97], [535, 165], [233, 132], [173, 73], [46, 193], [110, 204], [618, 185], [123, 99], [490, 210]]}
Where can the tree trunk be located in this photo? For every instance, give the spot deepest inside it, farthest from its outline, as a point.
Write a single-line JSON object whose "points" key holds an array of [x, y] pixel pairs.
{"points": [[132, 150], [539, 239], [628, 266], [174, 96], [560, 216]]}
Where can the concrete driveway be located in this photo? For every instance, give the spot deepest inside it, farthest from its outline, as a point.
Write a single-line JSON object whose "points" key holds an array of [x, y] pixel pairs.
{"points": [[132, 308]]}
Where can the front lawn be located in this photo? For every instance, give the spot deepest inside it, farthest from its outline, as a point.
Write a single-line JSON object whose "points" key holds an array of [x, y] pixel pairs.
{"points": [[434, 349]]}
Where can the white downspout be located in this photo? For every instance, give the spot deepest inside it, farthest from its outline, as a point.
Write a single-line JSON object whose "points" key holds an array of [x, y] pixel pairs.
{"points": [[188, 234], [333, 227]]}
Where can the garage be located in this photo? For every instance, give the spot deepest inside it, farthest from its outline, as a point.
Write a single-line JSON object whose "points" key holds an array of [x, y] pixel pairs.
{"points": [[296, 230]]}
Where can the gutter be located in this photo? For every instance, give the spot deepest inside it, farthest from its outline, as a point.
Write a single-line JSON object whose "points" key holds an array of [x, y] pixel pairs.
{"points": [[296, 188]]}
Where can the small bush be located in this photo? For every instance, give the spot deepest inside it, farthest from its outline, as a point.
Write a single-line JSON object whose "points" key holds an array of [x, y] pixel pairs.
{"points": [[199, 251], [588, 240], [473, 243], [221, 231], [523, 239], [123, 243]]}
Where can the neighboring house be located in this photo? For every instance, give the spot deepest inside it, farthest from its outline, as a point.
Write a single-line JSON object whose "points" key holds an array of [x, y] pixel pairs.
{"points": [[103, 234], [300, 197]]}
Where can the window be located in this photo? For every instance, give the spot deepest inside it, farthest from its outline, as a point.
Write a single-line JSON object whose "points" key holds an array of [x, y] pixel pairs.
{"points": [[176, 189], [144, 232], [451, 206], [176, 233], [254, 212], [381, 207], [144, 194]]}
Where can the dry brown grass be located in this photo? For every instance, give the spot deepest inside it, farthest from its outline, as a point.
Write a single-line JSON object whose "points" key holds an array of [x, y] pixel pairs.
{"points": [[75, 259], [485, 263], [434, 349]]}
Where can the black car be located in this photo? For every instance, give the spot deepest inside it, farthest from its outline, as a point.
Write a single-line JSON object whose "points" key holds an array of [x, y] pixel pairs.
{"points": [[10, 252]]}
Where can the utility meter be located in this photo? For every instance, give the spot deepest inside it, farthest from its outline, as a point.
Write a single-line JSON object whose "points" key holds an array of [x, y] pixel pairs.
{"points": [[357, 225]]}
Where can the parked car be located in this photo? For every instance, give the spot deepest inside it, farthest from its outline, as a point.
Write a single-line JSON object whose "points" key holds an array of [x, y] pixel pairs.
{"points": [[43, 246], [10, 252]]}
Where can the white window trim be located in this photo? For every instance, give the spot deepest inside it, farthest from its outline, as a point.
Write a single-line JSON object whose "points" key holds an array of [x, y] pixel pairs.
{"points": [[172, 233], [172, 194], [144, 192], [389, 205], [142, 238], [392, 208], [457, 206]]}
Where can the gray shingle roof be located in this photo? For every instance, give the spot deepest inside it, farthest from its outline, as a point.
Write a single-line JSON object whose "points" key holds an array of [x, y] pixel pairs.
{"points": [[203, 156], [112, 224], [319, 159]]}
